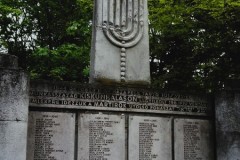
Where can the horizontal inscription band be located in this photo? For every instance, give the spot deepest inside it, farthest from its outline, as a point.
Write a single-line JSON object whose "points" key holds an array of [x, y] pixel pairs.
{"points": [[117, 99]]}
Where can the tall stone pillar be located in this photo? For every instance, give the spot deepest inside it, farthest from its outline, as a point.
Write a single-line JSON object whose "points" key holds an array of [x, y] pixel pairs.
{"points": [[228, 124], [120, 43], [13, 109]]}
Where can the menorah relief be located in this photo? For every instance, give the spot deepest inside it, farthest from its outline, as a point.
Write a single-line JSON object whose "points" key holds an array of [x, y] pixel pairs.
{"points": [[123, 23]]}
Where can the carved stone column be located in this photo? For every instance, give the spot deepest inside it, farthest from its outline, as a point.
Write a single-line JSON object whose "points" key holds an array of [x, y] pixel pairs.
{"points": [[120, 43], [13, 109]]}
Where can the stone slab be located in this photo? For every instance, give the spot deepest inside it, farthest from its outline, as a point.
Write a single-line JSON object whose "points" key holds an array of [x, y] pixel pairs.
{"points": [[106, 56], [51, 136], [101, 137], [193, 139], [150, 138], [13, 140], [90, 97], [228, 124], [14, 100]]}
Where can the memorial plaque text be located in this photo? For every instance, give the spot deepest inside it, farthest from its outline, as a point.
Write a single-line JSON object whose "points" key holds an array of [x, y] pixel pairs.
{"points": [[149, 138], [118, 99], [51, 136], [101, 137], [192, 139]]}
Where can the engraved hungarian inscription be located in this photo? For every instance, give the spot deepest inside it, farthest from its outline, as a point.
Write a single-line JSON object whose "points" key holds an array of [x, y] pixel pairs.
{"points": [[101, 137], [192, 139], [51, 136], [121, 99], [149, 138]]}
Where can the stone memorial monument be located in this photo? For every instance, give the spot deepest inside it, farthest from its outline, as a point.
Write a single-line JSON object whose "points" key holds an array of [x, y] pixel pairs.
{"points": [[120, 44], [119, 118], [114, 119]]}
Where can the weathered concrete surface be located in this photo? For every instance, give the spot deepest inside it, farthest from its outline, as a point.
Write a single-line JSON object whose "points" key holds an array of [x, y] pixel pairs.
{"points": [[13, 95], [120, 44], [228, 125], [13, 136], [14, 103]]}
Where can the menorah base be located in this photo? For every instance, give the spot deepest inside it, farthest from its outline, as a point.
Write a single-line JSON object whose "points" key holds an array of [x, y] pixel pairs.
{"points": [[109, 65]]}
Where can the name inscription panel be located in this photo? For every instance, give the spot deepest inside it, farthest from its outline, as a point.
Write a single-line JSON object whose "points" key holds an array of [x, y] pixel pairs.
{"points": [[51, 136], [101, 137], [192, 139], [149, 138]]}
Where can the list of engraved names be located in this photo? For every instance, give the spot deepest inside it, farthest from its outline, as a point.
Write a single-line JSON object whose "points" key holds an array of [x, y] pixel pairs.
{"points": [[192, 139], [105, 137], [147, 130], [51, 136], [149, 138]]}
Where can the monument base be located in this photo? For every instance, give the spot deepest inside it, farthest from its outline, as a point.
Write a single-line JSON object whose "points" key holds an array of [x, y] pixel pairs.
{"points": [[117, 123]]}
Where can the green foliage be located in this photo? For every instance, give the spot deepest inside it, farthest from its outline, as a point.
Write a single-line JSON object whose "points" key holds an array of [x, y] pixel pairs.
{"points": [[50, 37], [194, 43], [66, 62], [4, 8]]}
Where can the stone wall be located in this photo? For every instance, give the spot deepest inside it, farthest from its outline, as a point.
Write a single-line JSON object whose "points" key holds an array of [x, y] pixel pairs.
{"points": [[84, 122], [227, 105], [14, 105]]}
